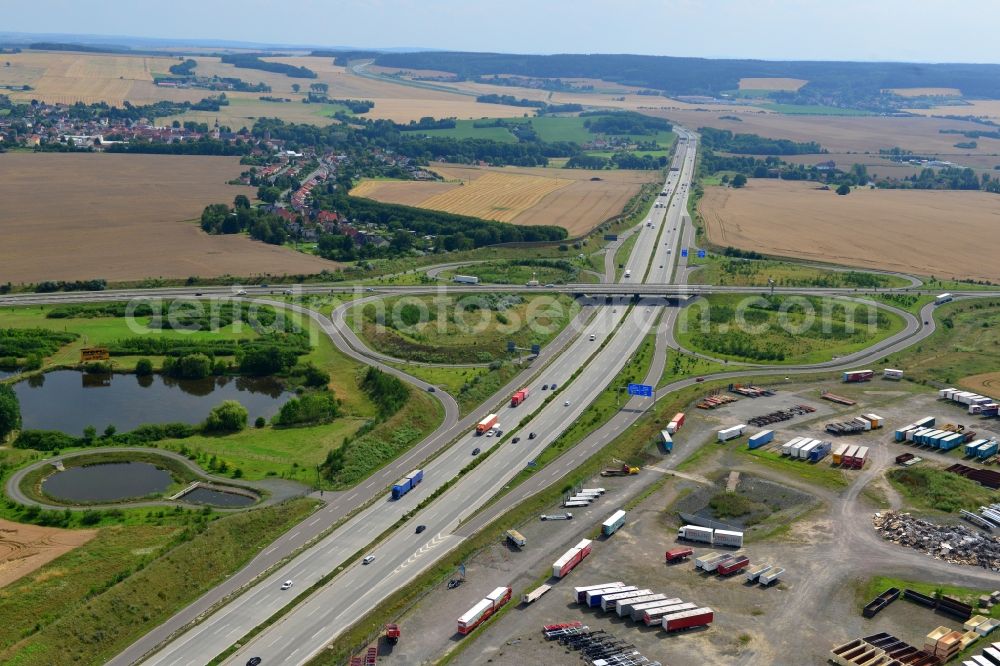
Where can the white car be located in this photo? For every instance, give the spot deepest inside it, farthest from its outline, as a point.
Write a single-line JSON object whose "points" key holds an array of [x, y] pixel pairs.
{"points": [[368, 560], [287, 584], [241, 292], [566, 404]]}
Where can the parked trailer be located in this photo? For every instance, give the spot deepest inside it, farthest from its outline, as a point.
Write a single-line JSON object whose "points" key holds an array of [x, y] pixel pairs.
{"points": [[727, 538], [713, 564], [516, 538], [696, 617], [667, 440], [819, 452], [794, 452], [860, 458], [858, 376], [880, 602], [581, 592], [925, 422], [695, 533], [486, 424], [535, 594], [575, 504], [593, 491], [595, 597], [848, 455], [760, 439], [786, 448], [892, 373], [838, 453], [407, 483], [613, 523], [639, 611], [733, 566], [803, 453], [700, 561], [465, 279], [571, 558], [678, 419], [610, 600], [656, 615], [732, 432], [755, 572], [678, 555], [624, 607], [771, 576]]}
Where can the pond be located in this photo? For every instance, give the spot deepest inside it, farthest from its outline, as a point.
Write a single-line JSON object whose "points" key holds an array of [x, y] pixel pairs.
{"points": [[217, 498], [70, 400], [5, 373], [108, 482]]}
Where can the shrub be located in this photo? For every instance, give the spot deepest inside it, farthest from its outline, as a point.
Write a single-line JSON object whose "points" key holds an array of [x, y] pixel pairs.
{"points": [[230, 416], [143, 367], [320, 407]]}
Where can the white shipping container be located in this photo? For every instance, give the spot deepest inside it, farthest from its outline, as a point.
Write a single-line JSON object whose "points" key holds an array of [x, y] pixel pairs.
{"points": [[728, 538], [755, 572], [639, 610], [699, 562], [771, 576], [615, 589], [624, 607], [892, 373], [804, 451], [864, 423], [798, 446], [672, 427], [609, 600], [654, 615], [786, 448]]}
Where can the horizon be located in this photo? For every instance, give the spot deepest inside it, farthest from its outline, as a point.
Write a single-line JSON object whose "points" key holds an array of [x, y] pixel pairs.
{"points": [[855, 32]]}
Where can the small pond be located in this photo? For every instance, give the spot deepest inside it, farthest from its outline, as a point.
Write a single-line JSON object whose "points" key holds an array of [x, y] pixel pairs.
{"points": [[108, 482], [70, 400], [4, 374], [217, 498]]}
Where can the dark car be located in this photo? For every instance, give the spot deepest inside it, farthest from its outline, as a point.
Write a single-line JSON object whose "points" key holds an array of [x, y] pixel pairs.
{"points": [[554, 386], [198, 293], [516, 440], [545, 387], [475, 451], [699, 379], [431, 389], [253, 661], [421, 528], [531, 435]]}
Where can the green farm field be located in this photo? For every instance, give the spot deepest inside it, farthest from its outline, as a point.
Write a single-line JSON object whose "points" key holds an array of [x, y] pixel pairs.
{"points": [[721, 270]]}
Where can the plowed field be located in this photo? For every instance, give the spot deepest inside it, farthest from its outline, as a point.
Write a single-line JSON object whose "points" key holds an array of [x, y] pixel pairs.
{"points": [[24, 548]]}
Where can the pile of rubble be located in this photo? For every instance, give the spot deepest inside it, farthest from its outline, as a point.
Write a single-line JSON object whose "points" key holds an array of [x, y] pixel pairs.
{"points": [[952, 543]]}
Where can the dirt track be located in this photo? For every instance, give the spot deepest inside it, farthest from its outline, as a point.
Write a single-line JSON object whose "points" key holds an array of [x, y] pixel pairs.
{"points": [[920, 232]]}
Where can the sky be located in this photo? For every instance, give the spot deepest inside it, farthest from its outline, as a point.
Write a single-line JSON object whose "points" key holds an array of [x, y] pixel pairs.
{"points": [[901, 30]]}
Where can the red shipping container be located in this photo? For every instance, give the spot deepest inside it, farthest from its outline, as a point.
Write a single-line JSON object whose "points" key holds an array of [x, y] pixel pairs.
{"points": [[685, 620], [678, 554], [733, 566]]}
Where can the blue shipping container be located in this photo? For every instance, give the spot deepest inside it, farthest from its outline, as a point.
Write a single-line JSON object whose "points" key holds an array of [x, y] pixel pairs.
{"points": [[819, 451], [760, 439], [950, 442], [988, 449]]}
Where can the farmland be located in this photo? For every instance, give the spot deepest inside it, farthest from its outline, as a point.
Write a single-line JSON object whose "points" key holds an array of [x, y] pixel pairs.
{"points": [[25, 548], [843, 134], [882, 229], [521, 195], [771, 84], [69, 217]]}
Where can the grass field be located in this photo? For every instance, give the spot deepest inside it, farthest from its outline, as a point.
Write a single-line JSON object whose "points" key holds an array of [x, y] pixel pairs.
{"points": [[935, 489], [882, 229], [125, 217], [452, 329], [812, 110], [963, 346], [92, 603], [780, 329], [515, 272], [720, 270], [570, 198], [466, 129], [469, 386], [820, 474]]}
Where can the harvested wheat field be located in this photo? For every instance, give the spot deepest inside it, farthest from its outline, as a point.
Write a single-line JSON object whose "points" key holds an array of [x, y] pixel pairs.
{"points": [[771, 83], [987, 384], [938, 233], [841, 134], [982, 108], [125, 217], [565, 198], [25, 548]]}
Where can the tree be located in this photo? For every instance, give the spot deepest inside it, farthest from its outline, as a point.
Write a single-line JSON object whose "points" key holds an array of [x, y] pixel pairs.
{"points": [[110, 431], [10, 411], [241, 201], [230, 416], [296, 87], [844, 189], [739, 180], [89, 434], [143, 367]]}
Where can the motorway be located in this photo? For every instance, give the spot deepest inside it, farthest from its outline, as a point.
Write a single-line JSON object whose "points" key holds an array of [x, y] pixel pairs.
{"points": [[618, 330]]}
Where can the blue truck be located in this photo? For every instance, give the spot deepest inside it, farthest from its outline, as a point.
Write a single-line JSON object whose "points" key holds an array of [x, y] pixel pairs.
{"points": [[407, 483]]}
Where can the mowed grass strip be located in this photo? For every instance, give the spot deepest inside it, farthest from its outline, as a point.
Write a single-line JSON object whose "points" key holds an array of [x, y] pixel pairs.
{"points": [[143, 592]]}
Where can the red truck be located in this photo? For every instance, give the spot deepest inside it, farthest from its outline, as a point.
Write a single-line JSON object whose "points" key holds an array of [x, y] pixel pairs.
{"points": [[519, 397], [733, 566], [678, 555]]}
